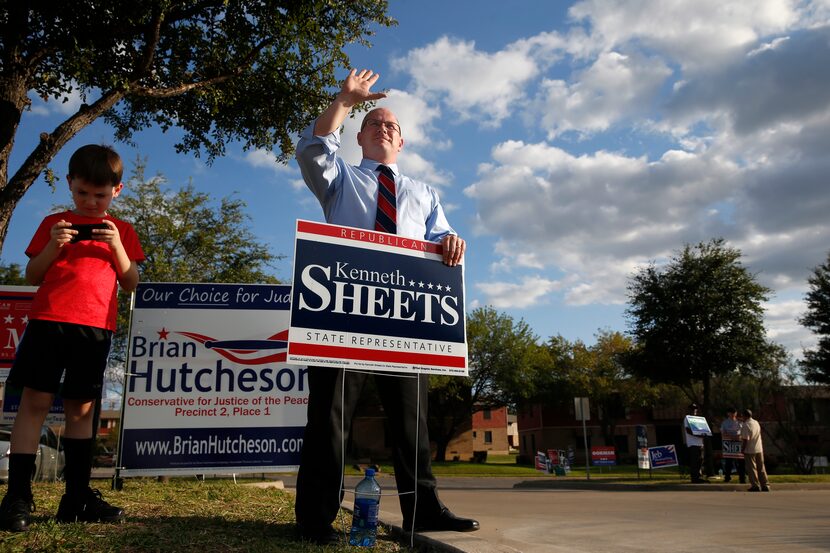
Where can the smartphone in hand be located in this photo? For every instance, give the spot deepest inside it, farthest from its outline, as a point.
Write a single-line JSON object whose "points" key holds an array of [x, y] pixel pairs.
{"points": [[85, 231]]}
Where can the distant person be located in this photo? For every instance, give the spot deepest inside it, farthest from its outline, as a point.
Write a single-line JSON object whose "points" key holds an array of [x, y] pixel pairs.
{"points": [[70, 328], [694, 448], [754, 453], [374, 195], [730, 429]]}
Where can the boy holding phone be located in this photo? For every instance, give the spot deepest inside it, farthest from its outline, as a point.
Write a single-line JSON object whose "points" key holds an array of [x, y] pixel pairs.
{"points": [[70, 328]]}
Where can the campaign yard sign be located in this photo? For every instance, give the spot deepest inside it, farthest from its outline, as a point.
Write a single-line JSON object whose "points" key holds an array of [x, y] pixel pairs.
{"points": [[642, 447], [374, 301], [15, 303], [662, 456], [207, 388], [698, 425], [732, 449], [603, 455]]}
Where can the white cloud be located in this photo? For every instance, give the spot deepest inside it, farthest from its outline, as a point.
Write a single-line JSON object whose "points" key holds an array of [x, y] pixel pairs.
{"points": [[755, 92], [782, 326], [530, 291], [614, 87], [268, 160], [264, 159], [67, 104], [697, 35], [471, 82]]}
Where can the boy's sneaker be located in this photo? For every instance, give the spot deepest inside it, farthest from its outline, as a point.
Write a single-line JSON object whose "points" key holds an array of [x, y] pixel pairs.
{"points": [[90, 507], [15, 513]]}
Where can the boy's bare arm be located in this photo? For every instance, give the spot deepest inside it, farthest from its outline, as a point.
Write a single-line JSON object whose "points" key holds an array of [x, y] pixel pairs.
{"points": [[125, 269], [129, 280], [59, 234]]}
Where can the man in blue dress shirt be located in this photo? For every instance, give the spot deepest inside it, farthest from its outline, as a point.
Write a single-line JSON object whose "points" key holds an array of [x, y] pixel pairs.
{"points": [[349, 196]]}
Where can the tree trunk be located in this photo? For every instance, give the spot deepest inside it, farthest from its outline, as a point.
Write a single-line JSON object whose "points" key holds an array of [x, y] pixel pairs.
{"points": [[708, 460], [441, 449]]}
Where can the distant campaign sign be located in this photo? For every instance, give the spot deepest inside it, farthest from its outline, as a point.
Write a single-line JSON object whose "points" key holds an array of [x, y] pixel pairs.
{"points": [[732, 449], [698, 425], [603, 455], [208, 389], [662, 456], [374, 301]]}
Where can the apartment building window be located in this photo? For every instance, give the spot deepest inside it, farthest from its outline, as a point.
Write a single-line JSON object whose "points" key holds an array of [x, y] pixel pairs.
{"points": [[488, 437]]}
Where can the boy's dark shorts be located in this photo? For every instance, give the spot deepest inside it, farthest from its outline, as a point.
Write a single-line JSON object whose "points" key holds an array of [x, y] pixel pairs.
{"points": [[49, 347]]}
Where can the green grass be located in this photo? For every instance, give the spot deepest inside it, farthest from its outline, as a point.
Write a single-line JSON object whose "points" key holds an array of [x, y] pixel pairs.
{"points": [[179, 516]]}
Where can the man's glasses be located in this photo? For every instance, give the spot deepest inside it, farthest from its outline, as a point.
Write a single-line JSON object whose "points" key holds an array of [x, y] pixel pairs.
{"points": [[390, 126]]}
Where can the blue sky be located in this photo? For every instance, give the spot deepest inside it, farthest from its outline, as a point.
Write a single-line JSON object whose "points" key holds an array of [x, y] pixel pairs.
{"points": [[571, 143]]}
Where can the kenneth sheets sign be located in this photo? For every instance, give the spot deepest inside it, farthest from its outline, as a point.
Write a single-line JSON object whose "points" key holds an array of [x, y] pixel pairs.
{"points": [[374, 301]]}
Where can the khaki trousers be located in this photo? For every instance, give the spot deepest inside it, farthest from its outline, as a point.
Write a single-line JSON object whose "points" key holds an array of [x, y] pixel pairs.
{"points": [[755, 470]]}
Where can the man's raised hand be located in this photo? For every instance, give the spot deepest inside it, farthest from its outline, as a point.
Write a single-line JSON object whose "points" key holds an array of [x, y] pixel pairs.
{"points": [[357, 87]]}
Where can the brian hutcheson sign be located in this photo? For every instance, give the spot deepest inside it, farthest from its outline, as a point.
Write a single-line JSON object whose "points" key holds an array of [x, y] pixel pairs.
{"points": [[374, 301], [207, 389]]}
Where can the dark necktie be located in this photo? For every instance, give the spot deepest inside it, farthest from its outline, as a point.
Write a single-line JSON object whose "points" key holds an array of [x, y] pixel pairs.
{"points": [[386, 218]]}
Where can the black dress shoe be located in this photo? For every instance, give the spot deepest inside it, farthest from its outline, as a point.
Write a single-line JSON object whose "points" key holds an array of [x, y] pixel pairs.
{"points": [[754, 489], [444, 522], [320, 535]]}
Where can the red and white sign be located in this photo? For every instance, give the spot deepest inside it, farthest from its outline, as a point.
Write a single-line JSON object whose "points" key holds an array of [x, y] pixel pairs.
{"points": [[603, 455], [15, 302]]}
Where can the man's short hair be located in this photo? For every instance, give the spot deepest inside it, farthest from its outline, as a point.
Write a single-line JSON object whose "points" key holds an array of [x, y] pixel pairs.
{"points": [[730, 410], [747, 413], [692, 406], [97, 164]]}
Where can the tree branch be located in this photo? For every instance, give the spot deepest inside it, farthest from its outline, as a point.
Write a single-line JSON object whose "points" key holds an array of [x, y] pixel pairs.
{"points": [[173, 91], [50, 144]]}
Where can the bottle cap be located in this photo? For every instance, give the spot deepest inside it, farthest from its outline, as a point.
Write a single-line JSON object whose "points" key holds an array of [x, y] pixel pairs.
{"points": [[370, 473]]}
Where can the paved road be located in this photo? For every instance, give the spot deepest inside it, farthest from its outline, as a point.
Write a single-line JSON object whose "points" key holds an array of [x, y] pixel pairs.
{"points": [[547, 516]]}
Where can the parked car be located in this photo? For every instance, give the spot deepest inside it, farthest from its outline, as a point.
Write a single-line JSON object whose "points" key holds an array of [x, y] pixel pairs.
{"points": [[49, 463], [104, 458]]}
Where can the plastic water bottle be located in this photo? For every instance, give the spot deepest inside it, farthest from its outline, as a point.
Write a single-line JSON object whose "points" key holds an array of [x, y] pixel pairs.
{"points": [[366, 504]]}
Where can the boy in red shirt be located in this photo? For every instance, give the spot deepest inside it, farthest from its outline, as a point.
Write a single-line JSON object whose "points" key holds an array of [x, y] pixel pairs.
{"points": [[70, 328]]}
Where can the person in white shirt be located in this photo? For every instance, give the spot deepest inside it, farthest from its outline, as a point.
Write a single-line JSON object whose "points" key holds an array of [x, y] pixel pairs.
{"points": [[694, 448], [754, 453]]}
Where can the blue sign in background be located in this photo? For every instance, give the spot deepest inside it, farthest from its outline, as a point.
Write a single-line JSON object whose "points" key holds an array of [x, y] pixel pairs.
{"points": [[412, 268], [642, 436], [662, 456]]}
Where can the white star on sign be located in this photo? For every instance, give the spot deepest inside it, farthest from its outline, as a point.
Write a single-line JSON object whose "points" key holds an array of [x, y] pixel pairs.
{"points": [[9, 319]]}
